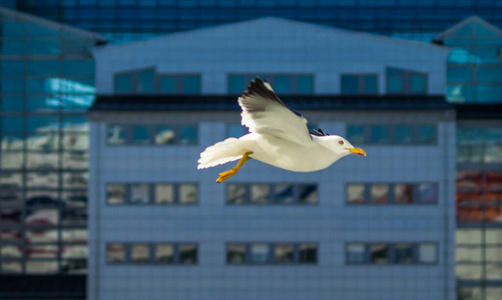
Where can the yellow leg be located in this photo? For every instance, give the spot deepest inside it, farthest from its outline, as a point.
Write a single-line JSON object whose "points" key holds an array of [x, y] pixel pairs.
{"points": [[227, 174]]}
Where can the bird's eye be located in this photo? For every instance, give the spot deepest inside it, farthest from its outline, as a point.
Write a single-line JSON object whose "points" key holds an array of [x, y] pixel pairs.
{"points": [[340, 142]]}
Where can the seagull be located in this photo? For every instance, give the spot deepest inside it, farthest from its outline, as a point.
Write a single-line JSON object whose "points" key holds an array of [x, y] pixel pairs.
{"points": [[277, 136]]}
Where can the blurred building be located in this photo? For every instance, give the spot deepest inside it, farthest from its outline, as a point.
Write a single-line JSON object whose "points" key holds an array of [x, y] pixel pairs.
{"points": [[46, 85], [376, 227], [122, 21]]}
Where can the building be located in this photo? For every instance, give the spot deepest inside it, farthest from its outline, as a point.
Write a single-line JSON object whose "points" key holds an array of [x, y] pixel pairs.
{"points": [[381, 227], [122, 21], [46, 85]]}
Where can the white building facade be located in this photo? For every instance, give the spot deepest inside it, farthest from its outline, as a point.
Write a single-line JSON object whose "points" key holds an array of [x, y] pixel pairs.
{"points": [[379, 227]]}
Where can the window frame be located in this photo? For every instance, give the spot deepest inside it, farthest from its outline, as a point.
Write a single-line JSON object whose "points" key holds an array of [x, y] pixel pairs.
{"points": [[271, 259], [152, 254], [152, 193], [406, 78], [272, 189], [391, 193], [362, 83], [391, 253], [152, 130], [391, 139], [271, 77]]}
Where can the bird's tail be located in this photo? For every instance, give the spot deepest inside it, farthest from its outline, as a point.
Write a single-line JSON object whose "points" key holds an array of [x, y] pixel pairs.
{"points": [[220, 153]]}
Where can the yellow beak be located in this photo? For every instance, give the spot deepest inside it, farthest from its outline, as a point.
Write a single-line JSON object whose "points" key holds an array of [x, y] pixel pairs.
{"points": [[357, 151]]}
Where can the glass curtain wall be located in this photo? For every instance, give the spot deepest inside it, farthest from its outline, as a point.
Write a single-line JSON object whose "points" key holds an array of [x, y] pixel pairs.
{"points": [[46, 84]]}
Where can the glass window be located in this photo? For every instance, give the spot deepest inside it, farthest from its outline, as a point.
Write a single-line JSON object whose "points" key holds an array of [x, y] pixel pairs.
{"points": [[12, 124], [379, 134], [459, 74], [305, 84], [469, 236], [188, 135], [236, 84], [404, 253], [427, 134], [115, 253], [260, 193], [282, 84], [260, 253], [350, 84], [12, 85], [188, 194], [427, 193], [115, 135], [165, 135], [403, 193], [283, 253], [12, 67], [468, 254], [379, 253], [237, 131], [236, 253], [403, 135], [308, 194], [236, 193], [379, 193], [355, 193], [141, 135], [356, 253], [43, 47], [308, 253], [395, 84], [493, 153], [43, 67], [283, 194], [418, 83], [11, 267], [164, 253], [187, 254], [145, 81], [427, 253], [493, 236], [164, 194], [355, 134], [370, 84], [78, 67], [122, 83], [41, 267], [140, 194], [115, 193], [168, 84], [191, 84], [12, 104], [140, 253]]}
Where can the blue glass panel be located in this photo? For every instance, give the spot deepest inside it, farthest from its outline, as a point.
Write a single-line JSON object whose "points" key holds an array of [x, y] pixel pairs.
{"points": [[462, 56], [488, 55], [460, 74], [12, 103], [164, 135], [41, 85], [75, 123], [122, 83], [11, 124], [191, 84], [493, 146], [403, 135], [371, 84], [305, 84], [379, 134], [236, 131], [282, 84], [236, 84], [350, 84], [145, 81], [427, 134], [168, 84], [188, 135], [36, 30], [12, 29], [395, 84], [12, 85], [469, 145], [115, 135], [355, 134], [140, 135], [42, 124], [44, 47], [418, 83], [43, 67], [426, 193], [460, 93], [489, 75], [482, 30], [42, 104], [464, 31], [12, 47], [12, 67], [488, 93], [78, 67]]}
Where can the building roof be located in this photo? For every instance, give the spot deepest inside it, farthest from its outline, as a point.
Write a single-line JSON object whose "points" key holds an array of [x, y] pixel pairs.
{"points": [[120, 103], [16, 15], [471, 20]]}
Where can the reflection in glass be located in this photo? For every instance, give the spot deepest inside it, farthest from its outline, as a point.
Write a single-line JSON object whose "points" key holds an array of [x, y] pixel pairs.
{"points": [[188, 194], [11, 216], [76, 159], [164, 253], [469, 187], [236, 84], [43, 141], [427, 253], [403, 193], [75, 180], [468, 271], [140, 253], [305, 84], [356, 253], [12, 141], [187, 253], [10, 251], [74, 235], [260, 193], [41, 267], [308, 193], [74, 217], [469, 214], [42, 180], [493, 271], [350, 84], [260, 253], [493, 214], [379, 253], [191, 84], [355, 193], [379, 134], [42, 124], [470, 236], [236, 193], [493, 236], [308, 253], [10, 235], [10, 198], [41, 235], [42, 251], [355, 134], [140, 194], [237, 130], [418, 83], [74, 251], [115, 135], [115, 193], [141, 135], [403, 135], [12, 103], [11, 267], [11, 124], [427, 193], [168, 84], [283, 253], [145, 81], [122, 83], [282, 84], [236, 253], [468, 254], [427, 134], [188, 135], [11, 160], [164, 135], [164, 194], [76, 141], [115, 253], [404, 253], [379, 193], [42, 160], [39, 216], [493, 145], [283, 194], [75, 123], [11, 180]]}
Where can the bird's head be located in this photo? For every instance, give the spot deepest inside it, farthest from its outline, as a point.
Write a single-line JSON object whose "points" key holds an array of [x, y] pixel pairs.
{"points": [[341, 146]]}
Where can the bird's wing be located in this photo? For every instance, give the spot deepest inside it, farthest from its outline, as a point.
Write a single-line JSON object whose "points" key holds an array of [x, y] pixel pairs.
{"points": [[264, 112]]}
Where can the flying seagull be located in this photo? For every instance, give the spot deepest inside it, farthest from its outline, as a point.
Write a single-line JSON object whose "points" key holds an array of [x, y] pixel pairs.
{"points": [[278, 137]]}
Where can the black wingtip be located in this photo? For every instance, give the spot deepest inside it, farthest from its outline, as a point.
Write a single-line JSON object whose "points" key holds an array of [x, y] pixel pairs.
{"points": [[318, 132]]}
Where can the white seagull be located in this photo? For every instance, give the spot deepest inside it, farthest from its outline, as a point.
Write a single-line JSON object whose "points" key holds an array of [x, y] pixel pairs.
{"points": [[278, 137]]}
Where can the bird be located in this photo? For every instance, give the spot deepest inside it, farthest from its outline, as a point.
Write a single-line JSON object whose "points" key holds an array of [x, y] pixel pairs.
{"points": [[277, 136]]}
